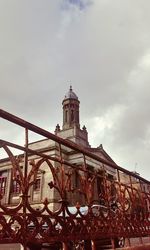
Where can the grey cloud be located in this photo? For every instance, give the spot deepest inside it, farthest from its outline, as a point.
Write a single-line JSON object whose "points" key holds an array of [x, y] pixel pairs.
{"points": [[81, 4], [103, 52]]}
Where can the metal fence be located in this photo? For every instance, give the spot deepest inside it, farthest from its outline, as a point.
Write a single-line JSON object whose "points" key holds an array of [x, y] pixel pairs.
{"points": [[92, 199]]}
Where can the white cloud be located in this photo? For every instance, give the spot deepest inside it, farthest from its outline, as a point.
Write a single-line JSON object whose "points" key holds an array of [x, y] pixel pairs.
{"points": [[103, 50]]}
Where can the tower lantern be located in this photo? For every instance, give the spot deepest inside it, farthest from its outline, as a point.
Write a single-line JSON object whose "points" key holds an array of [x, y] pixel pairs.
{"points": [[71, 121], [70, 110]]}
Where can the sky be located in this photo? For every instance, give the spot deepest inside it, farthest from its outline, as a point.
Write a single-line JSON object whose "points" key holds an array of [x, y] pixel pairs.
{"points": [[102, 49]]}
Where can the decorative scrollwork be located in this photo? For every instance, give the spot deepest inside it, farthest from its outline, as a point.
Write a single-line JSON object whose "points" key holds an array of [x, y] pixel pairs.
{"points": [[77, 202]]}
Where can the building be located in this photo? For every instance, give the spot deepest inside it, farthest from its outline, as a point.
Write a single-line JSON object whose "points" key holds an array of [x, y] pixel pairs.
{"points": [[41, 188], [9, 181]]}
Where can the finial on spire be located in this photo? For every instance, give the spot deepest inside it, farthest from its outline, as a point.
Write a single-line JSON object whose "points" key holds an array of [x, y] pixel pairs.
{"points": [[57, 129]]}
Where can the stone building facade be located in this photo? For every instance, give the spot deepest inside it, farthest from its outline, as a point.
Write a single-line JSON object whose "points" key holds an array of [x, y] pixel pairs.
{"points": [[70, 130]]}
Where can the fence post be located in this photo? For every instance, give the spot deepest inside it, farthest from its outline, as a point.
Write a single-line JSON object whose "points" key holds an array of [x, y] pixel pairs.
{"points": [[113, 243], [93, 245], [65, 246]]}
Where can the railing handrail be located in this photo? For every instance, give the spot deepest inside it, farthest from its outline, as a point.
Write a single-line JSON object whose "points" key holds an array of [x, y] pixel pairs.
{"points": [[25, 124]]}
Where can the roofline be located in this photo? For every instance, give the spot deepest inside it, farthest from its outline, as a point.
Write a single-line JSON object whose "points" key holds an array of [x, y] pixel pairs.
{"points": [[72, 145]]}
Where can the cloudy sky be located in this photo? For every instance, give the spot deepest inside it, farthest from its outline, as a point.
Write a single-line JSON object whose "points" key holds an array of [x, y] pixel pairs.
{"points": [[102, 48]]}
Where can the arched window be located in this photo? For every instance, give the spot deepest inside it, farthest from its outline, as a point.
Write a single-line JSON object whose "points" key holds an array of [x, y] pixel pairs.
{"points": [[66, 116], [72, 115], [77, 116]]}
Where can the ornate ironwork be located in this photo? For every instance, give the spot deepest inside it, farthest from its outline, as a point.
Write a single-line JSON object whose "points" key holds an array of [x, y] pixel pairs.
{"points": [[90, 204]]}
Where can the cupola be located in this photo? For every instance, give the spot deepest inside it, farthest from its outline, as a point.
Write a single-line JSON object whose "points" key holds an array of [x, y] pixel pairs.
{"points": [[70, 110]]}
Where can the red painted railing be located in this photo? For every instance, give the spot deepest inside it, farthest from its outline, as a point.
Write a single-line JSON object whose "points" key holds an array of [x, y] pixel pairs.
{"points": [[66, 202]]}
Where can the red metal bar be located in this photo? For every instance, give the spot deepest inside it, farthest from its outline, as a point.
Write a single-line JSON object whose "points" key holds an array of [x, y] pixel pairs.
{"points": [[114, 220], [38, 130]]}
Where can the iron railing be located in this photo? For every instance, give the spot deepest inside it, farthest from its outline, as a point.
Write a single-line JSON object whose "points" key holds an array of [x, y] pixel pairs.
{"points": [[82, 198]]}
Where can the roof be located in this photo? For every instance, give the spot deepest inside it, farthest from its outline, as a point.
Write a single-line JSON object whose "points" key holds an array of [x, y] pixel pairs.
{"points": [[70, 94], [101, 149]]}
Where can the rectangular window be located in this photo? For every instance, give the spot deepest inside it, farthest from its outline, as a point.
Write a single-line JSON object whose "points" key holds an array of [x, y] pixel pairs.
{"points": [[37, 184], [3, 181], [15, 187], [36, 191]]}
